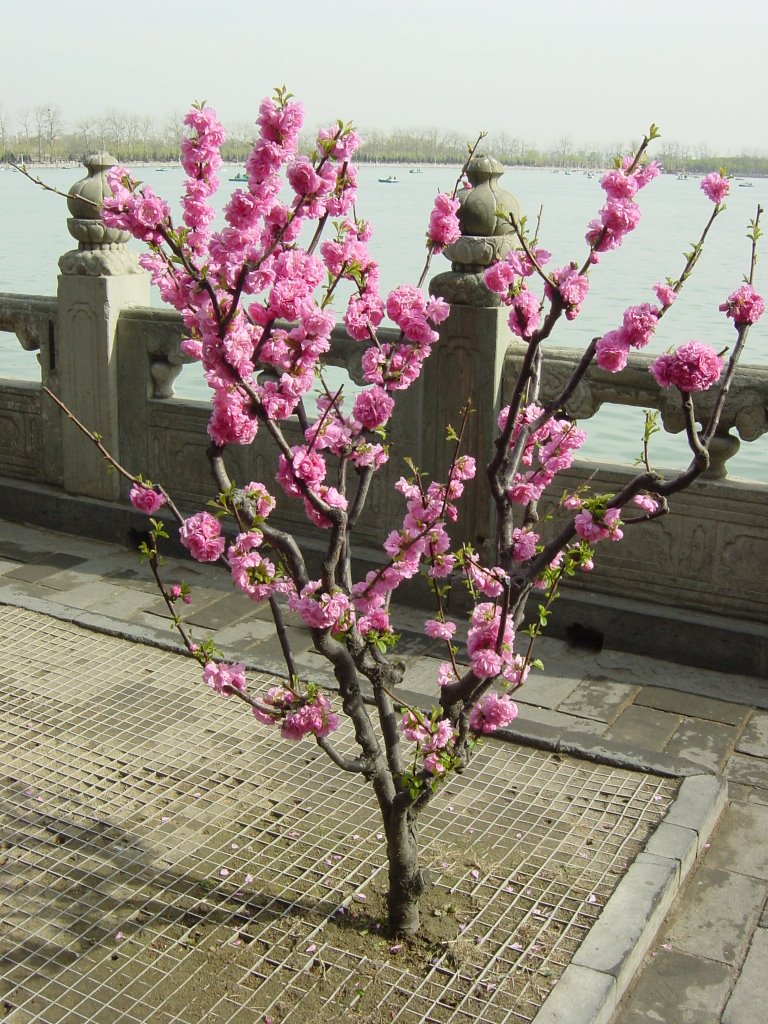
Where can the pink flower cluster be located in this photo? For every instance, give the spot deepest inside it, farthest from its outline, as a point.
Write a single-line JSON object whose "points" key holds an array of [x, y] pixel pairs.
{"points": [[491, 647], [492, 712], [637, 327], [319, 609], [744, 305], [715, 187], [571, 286], [593, 527], [254, 253], [431, 737], [620, 214], [201, 536], [444, 226], [298, 716], [548, 450], [691, 367], [224, 678], [423, 537], [146, 499], [396, 366]]}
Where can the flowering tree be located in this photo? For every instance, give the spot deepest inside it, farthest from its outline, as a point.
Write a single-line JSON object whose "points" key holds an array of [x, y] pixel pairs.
{"points": [[255, 303]]}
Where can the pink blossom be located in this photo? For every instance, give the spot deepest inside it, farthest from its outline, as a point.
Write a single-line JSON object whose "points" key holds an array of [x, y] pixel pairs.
{"points": [[646, 502], [443, 223], [492, 712], [715, 186], [201, 535], [437, 629], [618, 185], [665, 293], [524, 317], [146, 499], [224, 678], [639, 323], [594, 529], [313, 717], [612, 351], [692, 367], [373, 407], [572, 287], [744, 305]]}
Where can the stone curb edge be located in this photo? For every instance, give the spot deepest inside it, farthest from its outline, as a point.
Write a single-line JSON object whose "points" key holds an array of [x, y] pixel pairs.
{"points": [[604, 966]]}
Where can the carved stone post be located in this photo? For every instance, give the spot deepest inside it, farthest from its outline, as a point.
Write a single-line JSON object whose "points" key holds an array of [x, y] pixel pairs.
{"points": [[468, 361], [97, 280]]}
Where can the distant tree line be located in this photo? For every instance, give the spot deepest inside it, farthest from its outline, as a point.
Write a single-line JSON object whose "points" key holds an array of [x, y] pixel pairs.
{"points": [[41, 135]]}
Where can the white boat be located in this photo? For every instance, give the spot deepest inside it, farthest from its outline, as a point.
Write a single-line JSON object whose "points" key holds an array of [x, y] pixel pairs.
{"points": [[391, 179]]}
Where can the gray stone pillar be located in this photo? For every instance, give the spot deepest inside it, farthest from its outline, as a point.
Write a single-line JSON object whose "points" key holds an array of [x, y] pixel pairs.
{"points": [[468, 361], [98, 280]]}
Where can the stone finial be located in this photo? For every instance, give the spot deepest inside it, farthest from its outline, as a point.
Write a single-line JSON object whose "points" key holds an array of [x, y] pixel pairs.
{"points": [[486, 235], [101, 250]]}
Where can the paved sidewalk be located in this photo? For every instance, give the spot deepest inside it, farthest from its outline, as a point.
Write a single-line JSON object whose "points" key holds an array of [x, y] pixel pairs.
{"points": [[709, 963]]}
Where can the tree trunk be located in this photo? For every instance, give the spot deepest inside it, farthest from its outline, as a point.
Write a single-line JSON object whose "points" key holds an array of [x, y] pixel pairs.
{"points": [[405, 880]]}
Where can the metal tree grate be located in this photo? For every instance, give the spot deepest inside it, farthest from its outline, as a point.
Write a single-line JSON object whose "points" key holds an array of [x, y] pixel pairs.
{"points": [[168, 860]]}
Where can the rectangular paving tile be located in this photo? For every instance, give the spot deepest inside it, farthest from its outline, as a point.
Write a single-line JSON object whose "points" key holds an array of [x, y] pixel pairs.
{"points": [[754, 739], [546, 689], [643, 727], [717, 915], [706, 743], [676, 988], [741, 842], [599, 698], [747, 1002], [751, 771], [691, 705]]}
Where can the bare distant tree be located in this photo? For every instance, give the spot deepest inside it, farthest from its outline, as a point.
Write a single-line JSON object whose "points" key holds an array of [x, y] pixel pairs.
{"points": [[54, 126]]}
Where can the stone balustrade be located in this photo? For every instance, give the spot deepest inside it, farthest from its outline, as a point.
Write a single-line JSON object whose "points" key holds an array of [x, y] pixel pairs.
{"points": [[688, 586]]}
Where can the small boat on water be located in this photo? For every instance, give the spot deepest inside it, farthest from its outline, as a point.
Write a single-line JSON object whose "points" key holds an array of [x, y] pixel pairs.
{"points": [[415, 170], [745, 184], [239, 177], [391, 179]]}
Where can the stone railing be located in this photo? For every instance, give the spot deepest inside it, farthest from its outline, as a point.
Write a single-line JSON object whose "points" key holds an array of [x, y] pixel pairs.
{"points": [[688, 586]]}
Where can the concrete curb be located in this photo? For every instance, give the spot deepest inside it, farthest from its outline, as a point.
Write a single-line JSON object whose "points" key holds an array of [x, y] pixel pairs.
{"points": [[604, 966]]}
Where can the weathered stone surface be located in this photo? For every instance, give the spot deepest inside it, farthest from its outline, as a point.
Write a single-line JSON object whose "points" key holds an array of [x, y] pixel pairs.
{"points": [[620, 938], [691, 705], [717, 914], [747, 1002], [754, 739], [676, 843], [676, 988], [581, 996], [707, 743], [751, 771], [600, 699], [645, 727], [741, 842], [699, 805]]}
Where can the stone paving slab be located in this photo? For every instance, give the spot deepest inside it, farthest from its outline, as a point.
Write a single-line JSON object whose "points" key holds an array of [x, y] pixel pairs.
{"points": [[677, 988], [643, 726], [717, 915], [751, 771], [754, 739], [691, 705], [741, 842], [599, 698], [708, 743], [748, 1000]]}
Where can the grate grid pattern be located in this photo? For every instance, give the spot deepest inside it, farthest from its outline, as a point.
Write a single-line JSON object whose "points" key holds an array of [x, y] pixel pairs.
{"points": [[167, 861]]}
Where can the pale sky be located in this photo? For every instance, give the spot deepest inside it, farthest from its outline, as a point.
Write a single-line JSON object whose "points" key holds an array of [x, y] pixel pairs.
{"points": [[596, 71]]}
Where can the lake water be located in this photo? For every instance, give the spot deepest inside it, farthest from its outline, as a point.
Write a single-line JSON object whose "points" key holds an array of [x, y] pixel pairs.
{"points": [[34, 235]]}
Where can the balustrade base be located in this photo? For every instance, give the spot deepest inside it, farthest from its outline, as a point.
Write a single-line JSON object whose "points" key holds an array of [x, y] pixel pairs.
{"points": [[583, 618]]}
